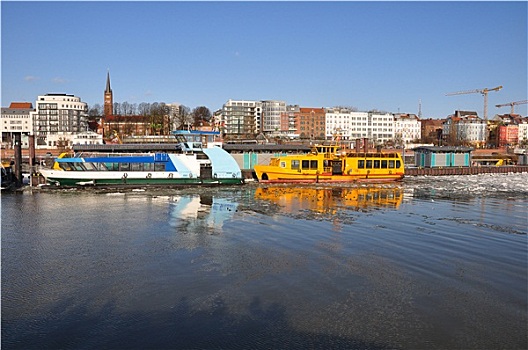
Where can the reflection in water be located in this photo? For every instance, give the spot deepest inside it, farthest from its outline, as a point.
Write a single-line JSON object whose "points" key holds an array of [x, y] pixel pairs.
{"points": [[327, 200], [198, 213]]}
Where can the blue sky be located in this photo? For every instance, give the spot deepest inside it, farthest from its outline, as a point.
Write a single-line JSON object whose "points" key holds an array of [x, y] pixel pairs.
{"points": [[369, 55]]}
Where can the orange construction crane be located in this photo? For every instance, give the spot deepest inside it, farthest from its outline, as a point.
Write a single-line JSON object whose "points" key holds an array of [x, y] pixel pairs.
{"points": [[484, 92], [512, 104]]}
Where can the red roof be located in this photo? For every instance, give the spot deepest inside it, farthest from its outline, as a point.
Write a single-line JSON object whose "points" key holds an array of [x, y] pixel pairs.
{"points": [[26, 105]]}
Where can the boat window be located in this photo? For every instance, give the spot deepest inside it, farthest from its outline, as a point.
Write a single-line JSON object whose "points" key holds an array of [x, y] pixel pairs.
{"points": [[148, 166], [101, 166], [384, 164], [398, 164], [136, 166], [376, 163], [391, 164], [313, 164], [283, 164], [112, 166], [90, 166], [159, 166], [124, 166], [295, 164], [65, 166], [78, 166], [361, 164], [369, 164]]}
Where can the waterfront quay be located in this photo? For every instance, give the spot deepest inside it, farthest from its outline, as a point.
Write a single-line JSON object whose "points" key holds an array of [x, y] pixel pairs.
{"points": [[247, 156]]}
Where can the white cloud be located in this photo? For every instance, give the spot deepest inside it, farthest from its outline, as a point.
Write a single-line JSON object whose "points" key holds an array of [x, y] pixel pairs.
{"points": [[59, 80], [31, 78]]}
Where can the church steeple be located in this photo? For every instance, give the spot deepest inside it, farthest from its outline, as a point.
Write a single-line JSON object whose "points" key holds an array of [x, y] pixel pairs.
{"points": [[108, 98], [108, 90]]}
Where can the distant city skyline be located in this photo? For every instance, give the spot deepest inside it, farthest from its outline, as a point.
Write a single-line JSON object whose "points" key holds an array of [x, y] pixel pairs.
{"points": [[387, 56]]}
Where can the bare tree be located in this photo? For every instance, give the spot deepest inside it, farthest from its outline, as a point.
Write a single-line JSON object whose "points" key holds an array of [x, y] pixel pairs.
{"points": [[201, 114], [95, 111], [183, 119], [144, 108]]}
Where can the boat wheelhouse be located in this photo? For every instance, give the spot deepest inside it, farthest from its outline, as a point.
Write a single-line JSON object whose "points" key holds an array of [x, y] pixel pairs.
{"points": [[329, 163], [170, 161]]}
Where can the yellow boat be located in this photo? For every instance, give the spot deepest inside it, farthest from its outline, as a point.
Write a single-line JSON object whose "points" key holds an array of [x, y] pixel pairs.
{"points": [[330, 164]]}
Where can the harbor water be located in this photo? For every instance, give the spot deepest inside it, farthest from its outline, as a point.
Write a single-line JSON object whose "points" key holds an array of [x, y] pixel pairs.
{"points": [[427, 263]]}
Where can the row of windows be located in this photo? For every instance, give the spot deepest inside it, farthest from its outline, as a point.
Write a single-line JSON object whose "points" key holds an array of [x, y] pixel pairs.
{"points": [[15, 128], [362, 164], [378, 164], [89, 166]]}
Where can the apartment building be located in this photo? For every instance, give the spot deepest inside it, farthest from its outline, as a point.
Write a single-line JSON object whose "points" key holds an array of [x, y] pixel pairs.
{"points": [[345, 124], [465, 128], [380, 128], [310, 123], [16, 119], [288, 125], [271, 117], [523, 131], [241, 117], [407, 128], [56, 118]]}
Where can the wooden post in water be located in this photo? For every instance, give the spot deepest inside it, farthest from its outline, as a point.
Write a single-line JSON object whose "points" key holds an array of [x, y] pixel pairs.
{"points": [[31, 139], [18, 159]]}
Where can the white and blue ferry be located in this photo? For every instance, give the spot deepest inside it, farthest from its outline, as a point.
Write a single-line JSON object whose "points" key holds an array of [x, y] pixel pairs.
{"points": [[178, 159]]}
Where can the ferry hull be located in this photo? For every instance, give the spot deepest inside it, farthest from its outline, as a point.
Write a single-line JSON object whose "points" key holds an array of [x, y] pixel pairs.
{"points": [[93, 179], [283, 178], [69, 182]]}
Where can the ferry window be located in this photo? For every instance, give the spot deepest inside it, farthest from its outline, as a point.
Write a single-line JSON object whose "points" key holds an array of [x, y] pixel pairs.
{"points": [[89, 166], [66, 166], [384, 164], [148, 166], [124, 166], [398, 164], [306, 164], [361, 164], [313, 164], [78, 166], [135, 166], [101, 166], [295, 164], [283, 164], [159, 166], [376, 163], [369, 164], [112, 166], [391, 164]]}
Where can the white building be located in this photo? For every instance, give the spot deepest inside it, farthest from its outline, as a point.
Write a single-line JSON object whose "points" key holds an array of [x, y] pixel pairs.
{"points": [[381, 128], [466, 128], [16, 119], [271, 116], [378, 128], [87, 138], [407, 128], [241, 117], [57, 118], [523, 131]]}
